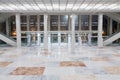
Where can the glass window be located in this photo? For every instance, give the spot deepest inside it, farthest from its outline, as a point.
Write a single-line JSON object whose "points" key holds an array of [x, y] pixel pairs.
{"points": [[41, 22], [64, 38], [85, 22], [76, 22], [63, 22], [76, 37], [33, 21], [105, 25], [114, 29], [54, 22], [23, 23], [54, 38], [13, 26], [94, 22]]}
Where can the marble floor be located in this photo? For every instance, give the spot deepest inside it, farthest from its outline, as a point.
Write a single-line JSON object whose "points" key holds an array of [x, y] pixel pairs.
{"points": [[60, 63]]}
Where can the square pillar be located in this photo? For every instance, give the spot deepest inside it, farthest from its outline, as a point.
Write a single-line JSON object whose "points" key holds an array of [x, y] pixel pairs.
{"points": [[38, 29], [59, 38], [45, 32], [73, 32], [28, 34], [79, 22], [90, 30], [18, 31], [100, 28], [7, 27], [110, 32], [58, 22]]}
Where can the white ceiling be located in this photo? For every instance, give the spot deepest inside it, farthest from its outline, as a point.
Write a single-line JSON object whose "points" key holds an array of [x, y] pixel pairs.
{"points": [[77, 6]]}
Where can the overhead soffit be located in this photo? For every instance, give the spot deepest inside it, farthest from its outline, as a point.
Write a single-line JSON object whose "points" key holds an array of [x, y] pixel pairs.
{"points": [[57, 6]]}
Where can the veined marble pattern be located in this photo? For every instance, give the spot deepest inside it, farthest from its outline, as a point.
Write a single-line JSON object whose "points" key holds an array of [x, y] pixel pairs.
{"points": [[28, 71], [4, 64], [60, 63], [72, 63]]}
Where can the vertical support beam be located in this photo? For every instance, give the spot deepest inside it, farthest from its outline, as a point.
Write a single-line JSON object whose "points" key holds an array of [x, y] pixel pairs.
{"points": [[7, 27], [79, 22], [59, 38], [49, 34], [18, 30], [38, 22], [90, 30], [69, 22], [45, 32], [73, 32], [110, 32], [28, 24], [9, 20], [58, 22], [100, 26], [48, 22], [28, 34], [69, 29], [38, 29]]}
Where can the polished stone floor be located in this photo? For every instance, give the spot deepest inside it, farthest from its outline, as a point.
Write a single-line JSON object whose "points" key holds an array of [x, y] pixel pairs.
{"points": [[60, 63]]}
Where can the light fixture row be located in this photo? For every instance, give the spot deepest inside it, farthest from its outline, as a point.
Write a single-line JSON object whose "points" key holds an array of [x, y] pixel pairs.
{"points": [[69, 7]]}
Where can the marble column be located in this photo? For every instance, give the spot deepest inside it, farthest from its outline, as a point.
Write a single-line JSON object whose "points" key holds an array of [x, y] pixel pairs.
{"points": [[73, 33], [49, 34], [58, 22], [59, 38], [79, 22], [100, 26], [90, 30], [69, 23], [59, 34], [38, 29], [28, 34], [110, 32], [18, 31], [45, 32], [7, 27]]}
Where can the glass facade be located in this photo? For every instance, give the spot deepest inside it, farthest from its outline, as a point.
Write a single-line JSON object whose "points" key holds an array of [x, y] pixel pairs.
{"points": [[59, 27]]}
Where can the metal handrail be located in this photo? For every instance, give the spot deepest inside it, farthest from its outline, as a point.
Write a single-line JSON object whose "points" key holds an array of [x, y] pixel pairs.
{"points": [[112, 35], [8, 36]]}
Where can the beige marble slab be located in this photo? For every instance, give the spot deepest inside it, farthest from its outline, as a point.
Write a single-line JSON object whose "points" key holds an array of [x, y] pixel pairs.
{"points": [[113, 70], [117, 55], [101, 59], [72, 63], [12, 56], [4, 64], [78, 77], [28, 71]]}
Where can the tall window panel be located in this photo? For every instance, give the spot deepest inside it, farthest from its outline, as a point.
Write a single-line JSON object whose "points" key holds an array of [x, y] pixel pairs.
{"points": [[63, 22], [54, 22], [94, 22], [41, 22], [76, 22], [23, 19], [33, 23], [13, 26], [85, 22]]}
